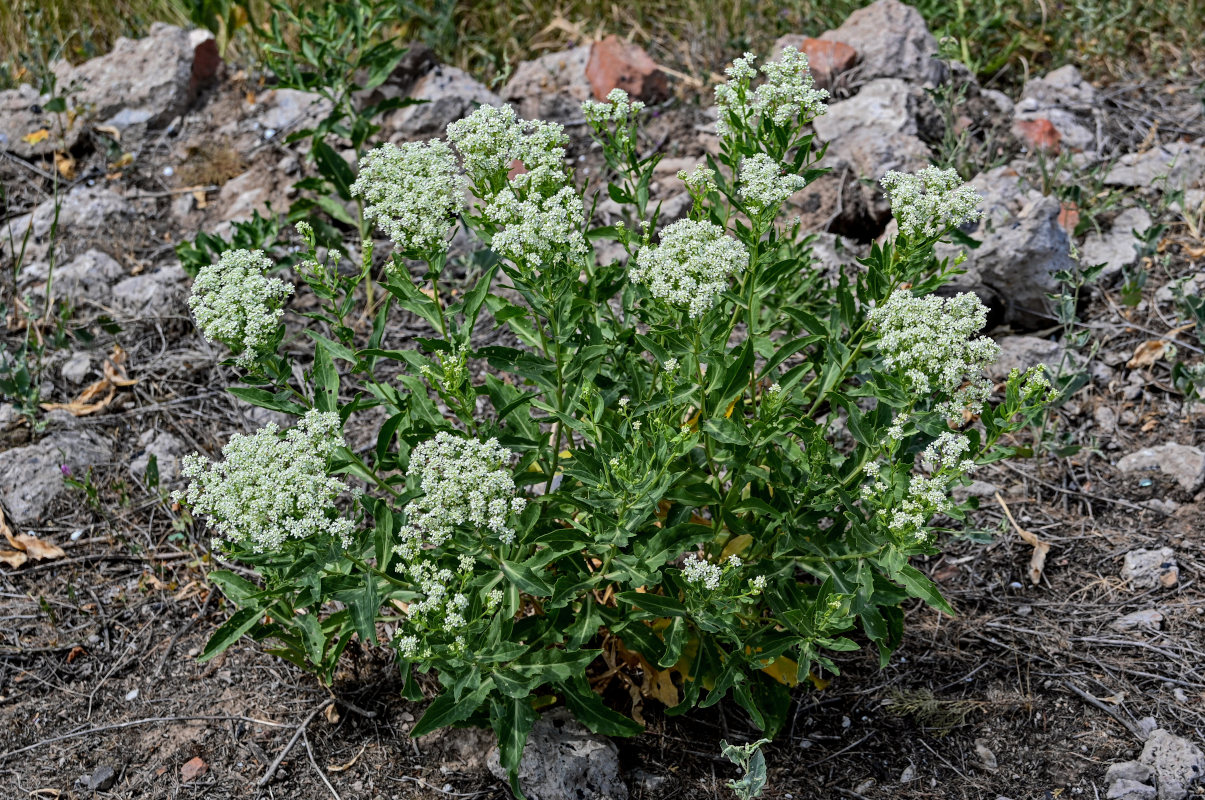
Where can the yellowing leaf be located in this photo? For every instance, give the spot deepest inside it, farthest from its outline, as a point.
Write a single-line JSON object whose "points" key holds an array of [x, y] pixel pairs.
{"points": [[783, 671], [36, 137], [736, 545], [1147, 353], [65, 164]]}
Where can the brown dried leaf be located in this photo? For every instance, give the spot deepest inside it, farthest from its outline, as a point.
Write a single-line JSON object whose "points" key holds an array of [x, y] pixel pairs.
{"points": [[81, 408], [1037, 562], [25, 547], [110, 131], [1147, 353]]}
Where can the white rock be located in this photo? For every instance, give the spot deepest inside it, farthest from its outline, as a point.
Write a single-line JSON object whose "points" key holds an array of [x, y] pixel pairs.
{"points": [[1115, 248], [1150, 569], [892, 41], [1183, 462], [1178, 763]]}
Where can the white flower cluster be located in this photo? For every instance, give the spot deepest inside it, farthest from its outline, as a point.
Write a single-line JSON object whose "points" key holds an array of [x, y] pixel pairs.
{"points": [[539, 232], [700, 181], [413, 193], [787, 92], [235, 303], [691, 267], [948, 451], [619, 111], [931, 201], [697, 571], [491, 140], [465, 482], [763, 185], [932, 341], [269, 489]]}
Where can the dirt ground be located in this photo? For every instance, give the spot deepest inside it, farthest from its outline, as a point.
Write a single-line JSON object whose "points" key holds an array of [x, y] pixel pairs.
{"points": [[1028, 693]]}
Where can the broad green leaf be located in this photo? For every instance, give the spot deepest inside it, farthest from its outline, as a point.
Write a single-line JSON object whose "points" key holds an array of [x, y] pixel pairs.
{"points": [[446, 709], [231, 631]]}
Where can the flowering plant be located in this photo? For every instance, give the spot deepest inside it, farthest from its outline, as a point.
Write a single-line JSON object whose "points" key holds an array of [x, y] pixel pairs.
{"points": [[707, 457]]}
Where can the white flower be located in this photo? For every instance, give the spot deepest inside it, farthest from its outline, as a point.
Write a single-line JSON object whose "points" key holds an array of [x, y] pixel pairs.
{"points": [[491, 140], [789, 89], [695, 570], [539, 232], [787, 92], [734, 561], [413, 192], [757, 584], [947, 451], [269, 489], [619, 111], [763, 185], [931, 201], [931, 341], [464, 482], [670, 365], [235, 303], [699, 181], [407, 647], [691, 267]]}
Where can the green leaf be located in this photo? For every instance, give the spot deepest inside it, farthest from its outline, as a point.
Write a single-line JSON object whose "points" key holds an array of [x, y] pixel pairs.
{"points": [[265, 399], [512, 719], [311, 636], [334, 168], [522, 576], [446, 709], [326, 380], [590, 710], [675, 640], [585, 624], [235, 587], [726, 431], [230, 632], [918, 585], [656, 604]]}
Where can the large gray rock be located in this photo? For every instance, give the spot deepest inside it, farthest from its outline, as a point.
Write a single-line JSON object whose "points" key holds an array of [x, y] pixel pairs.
{"points": [[1022, 246], [84, 210], [1150, 569], [1068, 102], [1023, 352], [143, 82], [1178, 165], [166, 449], [89, 275], [450, 94], [893, 42], [31, 477], [564, 761], [552, 86], [284, 110], [1183, 462], [1179, 765], [1115, 248], [889, 104], [156, 293], [23, 115]]}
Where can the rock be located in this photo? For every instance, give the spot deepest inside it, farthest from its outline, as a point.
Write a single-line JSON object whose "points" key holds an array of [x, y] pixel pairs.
{"points": [[1183, 462], [619, 64], [193, 769], [1124, 789], [1129, 771], [1038, 134], [31, 477], [986, 757], [893, 42], [564, 761], [1179, 765], [101, 779], [551, 87], [282, 110], [1023, 352], [83, 210], [1149, 569], [1059, 104], [250, 193], [22, 113], [157, 293], [889, 104], [827, 59], [1022, 246], [1178, 165], [981, 489], [166, 449], [1115, 249], [1148, 618], [145, 82], [89, 275], [451, 94], [76, 368]]}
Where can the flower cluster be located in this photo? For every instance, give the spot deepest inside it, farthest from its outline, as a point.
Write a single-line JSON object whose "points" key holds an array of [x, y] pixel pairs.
{"points": [[618, 113], [931, 201], [269, 489], [697, 571], [788, 91], [413, 193], [700, 181], [539, 232], [691, 267], [491, 140], [763, 186], [464, 482], [235, 303], [932, 342]]}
